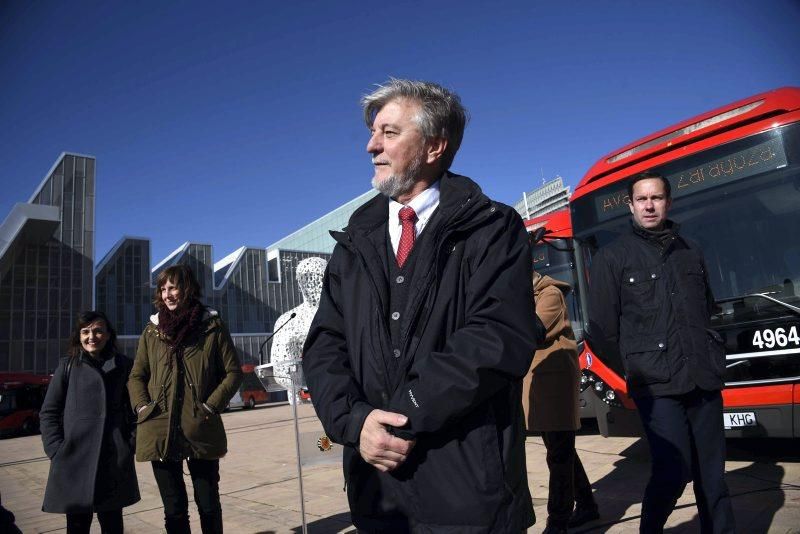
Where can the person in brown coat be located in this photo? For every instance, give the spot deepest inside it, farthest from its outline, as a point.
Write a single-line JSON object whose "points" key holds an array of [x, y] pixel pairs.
{"points": [[550, 402]]}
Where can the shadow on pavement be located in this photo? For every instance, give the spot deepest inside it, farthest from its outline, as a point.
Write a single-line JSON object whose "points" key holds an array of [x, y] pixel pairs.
{"points": [[7, 521], [757, 490], [327, 525], [621, 488]]}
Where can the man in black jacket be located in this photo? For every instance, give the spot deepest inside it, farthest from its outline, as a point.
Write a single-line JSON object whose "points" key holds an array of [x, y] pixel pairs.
{"points": [[650, 303], [424, 331]]}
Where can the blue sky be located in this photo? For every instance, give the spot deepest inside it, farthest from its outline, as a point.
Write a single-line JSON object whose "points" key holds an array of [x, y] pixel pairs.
{"points": [[236, 123]]}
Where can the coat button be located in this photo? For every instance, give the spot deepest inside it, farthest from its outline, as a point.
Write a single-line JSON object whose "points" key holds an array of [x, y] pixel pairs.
{"points": [[630, 279], [395, 316], [660, 345], [396, 353], [653, 275], [400, 279]]}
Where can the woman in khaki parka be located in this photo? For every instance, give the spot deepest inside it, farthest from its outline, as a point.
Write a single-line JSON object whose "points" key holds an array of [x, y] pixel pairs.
{"points": [[550, 402], [185, 372]]}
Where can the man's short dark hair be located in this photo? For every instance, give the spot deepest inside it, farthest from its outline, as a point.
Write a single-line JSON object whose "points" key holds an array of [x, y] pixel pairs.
{"points": [[648, 175]]}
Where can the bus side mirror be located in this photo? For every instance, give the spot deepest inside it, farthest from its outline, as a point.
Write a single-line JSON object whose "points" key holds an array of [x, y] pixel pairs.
{"points": [[538, 234]]}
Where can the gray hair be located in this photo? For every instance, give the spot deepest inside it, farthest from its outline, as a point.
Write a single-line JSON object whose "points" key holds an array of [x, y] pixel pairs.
{"points": [[441, 114]]}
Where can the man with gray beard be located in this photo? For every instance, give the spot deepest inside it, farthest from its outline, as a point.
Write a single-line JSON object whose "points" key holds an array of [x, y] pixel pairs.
{"points": [[425, 329]]}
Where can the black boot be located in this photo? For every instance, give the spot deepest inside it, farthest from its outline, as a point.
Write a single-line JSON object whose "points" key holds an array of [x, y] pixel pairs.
{"points": [[583, 514], [178, 525], [211, 523], [554, 528]]}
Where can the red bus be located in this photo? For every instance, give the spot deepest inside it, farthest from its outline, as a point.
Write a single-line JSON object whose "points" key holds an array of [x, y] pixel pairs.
{"points": [[735, 176], [21, 397]]}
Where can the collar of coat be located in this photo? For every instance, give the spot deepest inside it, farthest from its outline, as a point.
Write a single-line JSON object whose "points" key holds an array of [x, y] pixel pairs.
{"points": [[540, 282], [208, 314], [106, 365], [461, 204], [661, 239]]}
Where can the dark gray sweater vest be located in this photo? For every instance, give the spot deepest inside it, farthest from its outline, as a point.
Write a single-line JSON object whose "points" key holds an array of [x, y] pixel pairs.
{"points": [[401, 281]]}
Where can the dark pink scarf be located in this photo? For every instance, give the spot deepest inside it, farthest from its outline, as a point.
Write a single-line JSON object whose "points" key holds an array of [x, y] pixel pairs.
{"points": [[178, 326]]}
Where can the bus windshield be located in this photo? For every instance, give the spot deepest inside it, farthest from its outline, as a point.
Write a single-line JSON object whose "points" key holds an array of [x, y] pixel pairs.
{"points": [[555, 259], [740, 202]]}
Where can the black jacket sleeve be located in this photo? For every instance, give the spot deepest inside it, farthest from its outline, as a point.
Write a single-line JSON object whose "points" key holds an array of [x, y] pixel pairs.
{"points": [[338, 399], [495, 345], [51, 415], [604, 307]]}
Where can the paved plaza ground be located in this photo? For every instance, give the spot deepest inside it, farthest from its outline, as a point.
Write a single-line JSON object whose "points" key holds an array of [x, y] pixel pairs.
{"points": [[260, 491]]}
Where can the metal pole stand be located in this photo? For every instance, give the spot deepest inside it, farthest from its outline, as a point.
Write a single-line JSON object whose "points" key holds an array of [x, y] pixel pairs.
{"points": [[266, 374], [295, 375]]}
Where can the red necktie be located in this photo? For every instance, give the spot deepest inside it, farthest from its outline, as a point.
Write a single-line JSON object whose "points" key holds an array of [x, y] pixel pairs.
{"points": [[407, 220]]}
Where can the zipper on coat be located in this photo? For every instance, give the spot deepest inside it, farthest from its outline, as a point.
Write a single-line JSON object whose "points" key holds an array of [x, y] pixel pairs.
{"points": [[194, 400], [189, 379], [442, 239], [376, 297], [446, 232]]}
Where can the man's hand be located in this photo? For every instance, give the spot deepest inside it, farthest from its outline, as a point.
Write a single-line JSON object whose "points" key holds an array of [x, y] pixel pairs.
{"points": [[378, 447]]}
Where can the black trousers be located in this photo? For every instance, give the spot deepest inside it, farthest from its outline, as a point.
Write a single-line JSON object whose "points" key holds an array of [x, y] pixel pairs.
{"points": [[205, 479], [569, 484], [687, 442], [81, 523]]}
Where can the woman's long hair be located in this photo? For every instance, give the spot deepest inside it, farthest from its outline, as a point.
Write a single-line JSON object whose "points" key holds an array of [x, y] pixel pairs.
{"points": [[84, 319], [183, 277]]}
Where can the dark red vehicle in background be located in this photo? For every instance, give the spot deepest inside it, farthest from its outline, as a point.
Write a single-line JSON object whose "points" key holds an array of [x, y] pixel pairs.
{"points": [[21, 397], [735, 176], [252, 392]]}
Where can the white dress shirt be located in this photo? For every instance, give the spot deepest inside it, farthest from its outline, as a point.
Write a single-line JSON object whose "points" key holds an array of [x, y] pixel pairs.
{"points": [[423, 205]]}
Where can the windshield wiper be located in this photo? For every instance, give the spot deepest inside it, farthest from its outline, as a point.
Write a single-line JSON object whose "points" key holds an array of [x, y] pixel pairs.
{"points": [[765, 296], [540, 235]]}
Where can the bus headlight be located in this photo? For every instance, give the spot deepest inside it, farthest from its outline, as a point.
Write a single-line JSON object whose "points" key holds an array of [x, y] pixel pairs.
{"points": [[586, 380], [605, 392]]}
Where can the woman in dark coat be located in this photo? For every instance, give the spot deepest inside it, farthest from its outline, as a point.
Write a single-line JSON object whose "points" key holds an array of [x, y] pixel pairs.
{"points": [[88, 430]]}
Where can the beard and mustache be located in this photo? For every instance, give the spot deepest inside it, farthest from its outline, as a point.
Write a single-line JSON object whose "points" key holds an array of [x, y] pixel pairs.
{"points": [[395, 185]]}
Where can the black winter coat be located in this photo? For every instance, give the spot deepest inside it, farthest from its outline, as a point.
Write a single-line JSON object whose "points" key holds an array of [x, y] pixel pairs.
{"points": [[650, 305], [471, 339], [88, 432]]}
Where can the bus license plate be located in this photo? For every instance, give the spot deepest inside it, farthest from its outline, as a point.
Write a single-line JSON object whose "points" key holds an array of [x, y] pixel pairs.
{"points": [[739, 419]]}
